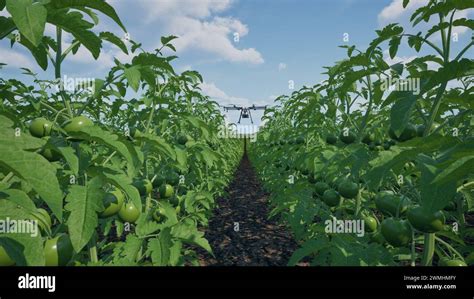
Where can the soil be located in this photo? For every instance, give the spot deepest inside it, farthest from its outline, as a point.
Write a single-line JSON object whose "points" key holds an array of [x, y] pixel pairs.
{"points": [[240, 232]]}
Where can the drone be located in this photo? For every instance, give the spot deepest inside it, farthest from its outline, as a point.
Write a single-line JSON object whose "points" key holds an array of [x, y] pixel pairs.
{"points": [[244, 111]]}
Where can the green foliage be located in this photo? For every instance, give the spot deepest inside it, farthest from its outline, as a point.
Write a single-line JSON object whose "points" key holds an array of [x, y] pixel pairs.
{"points": [[433, 170], [70, 172]]}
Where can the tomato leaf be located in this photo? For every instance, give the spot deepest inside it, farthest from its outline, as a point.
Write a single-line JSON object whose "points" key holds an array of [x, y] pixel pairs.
{"points": [[434, 196], [6, 26], [133, 76], [29, 17], [84, 202], [74, 23], [99, 5], [401, 111], [159, 248], [26, 247], [43, 179]]}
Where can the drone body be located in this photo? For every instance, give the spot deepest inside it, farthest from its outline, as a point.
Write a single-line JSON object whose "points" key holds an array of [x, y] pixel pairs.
{"points": [[244, 111]]}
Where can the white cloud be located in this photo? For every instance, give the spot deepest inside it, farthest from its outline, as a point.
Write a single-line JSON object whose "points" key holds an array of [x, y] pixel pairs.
{"points": [[281, 66], [215, 93], [397, 59], [105, 60], [405, 59], [186, 67], [189, 8], [213, 37], [395, 11], [198, 27], [13, 58]]}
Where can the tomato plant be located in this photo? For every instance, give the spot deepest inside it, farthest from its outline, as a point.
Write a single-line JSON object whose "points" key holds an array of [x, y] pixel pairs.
{"points": [[398, 157], [89, 164], [127, 172]]}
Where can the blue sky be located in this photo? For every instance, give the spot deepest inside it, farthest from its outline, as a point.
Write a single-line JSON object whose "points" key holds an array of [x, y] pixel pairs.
{"points": [[279, 40]]}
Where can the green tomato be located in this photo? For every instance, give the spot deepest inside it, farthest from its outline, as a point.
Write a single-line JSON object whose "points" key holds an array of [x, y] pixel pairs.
{"points": [[41, 127], [425, 221], [408, 133], [172, 178], [58, 251], [5, 260], [370, 223], [420, 130], [320, 188], [113, 202], [182, 139], [398, 233], [451, 206], [50, 155], [331, 139], [77, 123], [388, 203], [445, 262], [368, 139], [158, 181], [300, 140], [129, 213], [331, 198], [312, 179], [348, 138], [166, 191], [159, 214], [377, 237], [144, 186], [348, 189]]}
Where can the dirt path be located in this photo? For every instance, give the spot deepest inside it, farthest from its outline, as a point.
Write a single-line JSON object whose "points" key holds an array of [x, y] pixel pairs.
{"points": [[258, 241]]}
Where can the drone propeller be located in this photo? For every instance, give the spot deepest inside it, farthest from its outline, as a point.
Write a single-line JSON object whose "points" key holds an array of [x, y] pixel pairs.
{"points": [[232, 107]]}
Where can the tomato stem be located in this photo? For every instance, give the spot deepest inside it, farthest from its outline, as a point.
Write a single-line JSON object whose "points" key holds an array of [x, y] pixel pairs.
{"points": [[358, 204], [93, 249], [449, 247], [428, 250], [413, 249], [7, 177]]}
